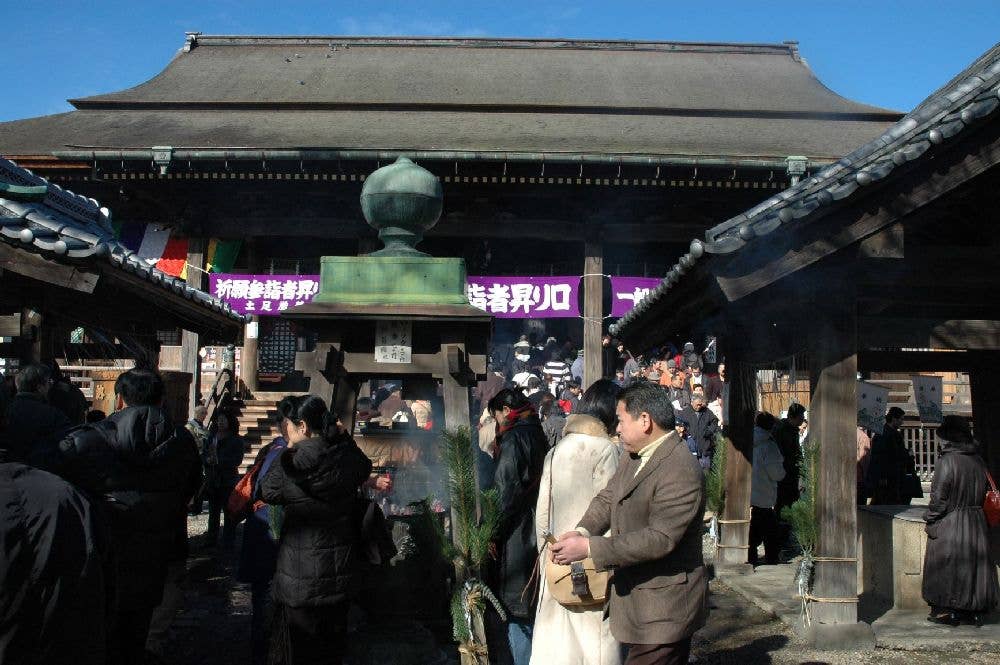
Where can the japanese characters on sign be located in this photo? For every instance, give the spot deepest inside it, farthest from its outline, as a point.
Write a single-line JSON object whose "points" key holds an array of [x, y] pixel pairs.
{"points": [[927, 394], [626, 292], [502, 297], [525, 297], [263, 294], [873, 400], [393, 341]]}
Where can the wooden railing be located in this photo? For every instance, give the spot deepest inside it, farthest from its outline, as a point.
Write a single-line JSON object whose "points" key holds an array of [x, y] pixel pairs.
{"points": [[922, 442]]}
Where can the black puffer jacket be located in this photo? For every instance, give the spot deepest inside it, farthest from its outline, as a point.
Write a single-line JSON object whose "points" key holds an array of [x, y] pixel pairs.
{"points": [[516, 478], [142, 471], [54, 571], [319, 549], [34, 429]]}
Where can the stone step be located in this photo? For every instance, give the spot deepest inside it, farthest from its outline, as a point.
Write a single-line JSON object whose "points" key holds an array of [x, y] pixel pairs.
{"points": [[260, 402]]}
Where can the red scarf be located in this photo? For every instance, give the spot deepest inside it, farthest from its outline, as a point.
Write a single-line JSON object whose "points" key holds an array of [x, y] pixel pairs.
{"points": [[516, 415]]}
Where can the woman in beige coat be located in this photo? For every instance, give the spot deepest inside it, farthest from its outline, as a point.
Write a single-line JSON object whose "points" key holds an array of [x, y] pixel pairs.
{"points": [[575, 470]]}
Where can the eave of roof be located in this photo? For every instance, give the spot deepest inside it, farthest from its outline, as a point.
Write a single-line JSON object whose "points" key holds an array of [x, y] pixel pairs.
{"points": [[969, 98], [70, 228]]}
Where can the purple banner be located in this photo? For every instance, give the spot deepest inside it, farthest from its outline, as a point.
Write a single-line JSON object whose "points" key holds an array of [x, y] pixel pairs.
{"points": [[525, 297], [626, 292], [503, 297], [264, 295]]}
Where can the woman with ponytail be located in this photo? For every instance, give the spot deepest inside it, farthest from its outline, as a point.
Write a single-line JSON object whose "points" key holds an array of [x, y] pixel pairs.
{"points": [[315, 481]]}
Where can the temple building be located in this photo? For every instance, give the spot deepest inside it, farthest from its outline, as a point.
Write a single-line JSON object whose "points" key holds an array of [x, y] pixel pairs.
{"points": [[557, 157]]}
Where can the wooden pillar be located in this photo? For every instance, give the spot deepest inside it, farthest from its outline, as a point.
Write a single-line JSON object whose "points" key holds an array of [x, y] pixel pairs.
{"points": [[454, 389], [31, 336], [249, 359], [593, 311], [986, 407], [734, 527], [833, 426], [190, 342]]}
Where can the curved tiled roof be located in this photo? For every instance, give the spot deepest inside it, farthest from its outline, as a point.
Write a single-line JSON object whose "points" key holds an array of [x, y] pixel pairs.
{"points": [[968, 99], [648, 99], [70, 228]]}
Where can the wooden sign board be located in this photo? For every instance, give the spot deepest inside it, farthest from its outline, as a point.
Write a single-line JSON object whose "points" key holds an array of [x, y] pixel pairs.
{"points": [[394, 342], [10, 325]]}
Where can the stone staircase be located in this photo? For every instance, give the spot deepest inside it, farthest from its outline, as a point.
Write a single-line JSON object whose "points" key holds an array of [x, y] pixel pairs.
{"points": [[257, 426]]}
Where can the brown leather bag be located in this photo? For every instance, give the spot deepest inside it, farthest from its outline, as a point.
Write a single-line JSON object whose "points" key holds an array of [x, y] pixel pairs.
{"points": [[579, 584], [991, 505]]}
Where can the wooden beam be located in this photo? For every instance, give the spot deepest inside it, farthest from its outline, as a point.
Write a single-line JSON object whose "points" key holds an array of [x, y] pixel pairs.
{"points": [[860, 219], [877, 360], [886, 244], [593, 312], [38, 267], [969, 334]]}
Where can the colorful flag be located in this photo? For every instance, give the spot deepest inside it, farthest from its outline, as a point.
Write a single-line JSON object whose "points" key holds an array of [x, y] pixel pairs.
{"points": [[154, 241], [174, 258], [221, 255]]}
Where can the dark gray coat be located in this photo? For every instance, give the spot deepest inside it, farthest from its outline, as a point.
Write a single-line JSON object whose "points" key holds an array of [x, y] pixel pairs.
{"points": [[142, 471], [958, 573]]}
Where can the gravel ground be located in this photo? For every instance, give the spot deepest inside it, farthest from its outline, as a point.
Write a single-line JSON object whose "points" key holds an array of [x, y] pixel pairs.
{"points": [[213, 629]]}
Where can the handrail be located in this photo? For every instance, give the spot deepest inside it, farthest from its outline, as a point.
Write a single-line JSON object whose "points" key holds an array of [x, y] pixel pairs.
{"points": [[222, 393]]}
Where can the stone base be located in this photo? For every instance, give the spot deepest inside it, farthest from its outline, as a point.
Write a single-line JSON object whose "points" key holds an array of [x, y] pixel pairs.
{"points": [[841, 636]]}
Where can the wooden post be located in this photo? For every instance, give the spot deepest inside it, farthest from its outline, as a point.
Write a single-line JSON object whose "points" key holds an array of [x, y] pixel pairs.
{"points": [[190, 343], [833, 426], [454, 390], [986, 407], [31, 335], [593, 311], [249, 359], [734, 529]]}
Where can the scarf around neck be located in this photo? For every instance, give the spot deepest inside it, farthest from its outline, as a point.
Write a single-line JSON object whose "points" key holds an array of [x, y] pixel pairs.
{"points": [[517, 415]]}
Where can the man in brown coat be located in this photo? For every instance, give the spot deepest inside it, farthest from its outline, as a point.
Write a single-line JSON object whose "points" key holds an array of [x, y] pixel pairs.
{"points": [[652, 511]]}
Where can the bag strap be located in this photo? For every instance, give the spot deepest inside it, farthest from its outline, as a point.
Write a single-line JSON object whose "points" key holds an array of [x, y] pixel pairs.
{"points": [[989, 477]]}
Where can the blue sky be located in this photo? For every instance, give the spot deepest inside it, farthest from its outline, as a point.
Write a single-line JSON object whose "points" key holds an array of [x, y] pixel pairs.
{"points": [[885, 52]]}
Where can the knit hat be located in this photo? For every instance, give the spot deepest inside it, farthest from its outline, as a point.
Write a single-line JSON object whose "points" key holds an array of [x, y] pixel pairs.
{"points": [[955, 429]]}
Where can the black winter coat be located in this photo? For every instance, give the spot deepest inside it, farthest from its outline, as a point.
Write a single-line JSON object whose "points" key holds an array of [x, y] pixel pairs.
{"points": [[888, 481], [142, 471], [516, 478], [702, 427], [319, 547], [786, 436], [54, 571], [34, 430], [958, 573]]}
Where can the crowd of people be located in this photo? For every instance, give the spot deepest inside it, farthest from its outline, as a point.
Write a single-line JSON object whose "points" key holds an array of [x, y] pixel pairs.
{"points": [[94, 533]]}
